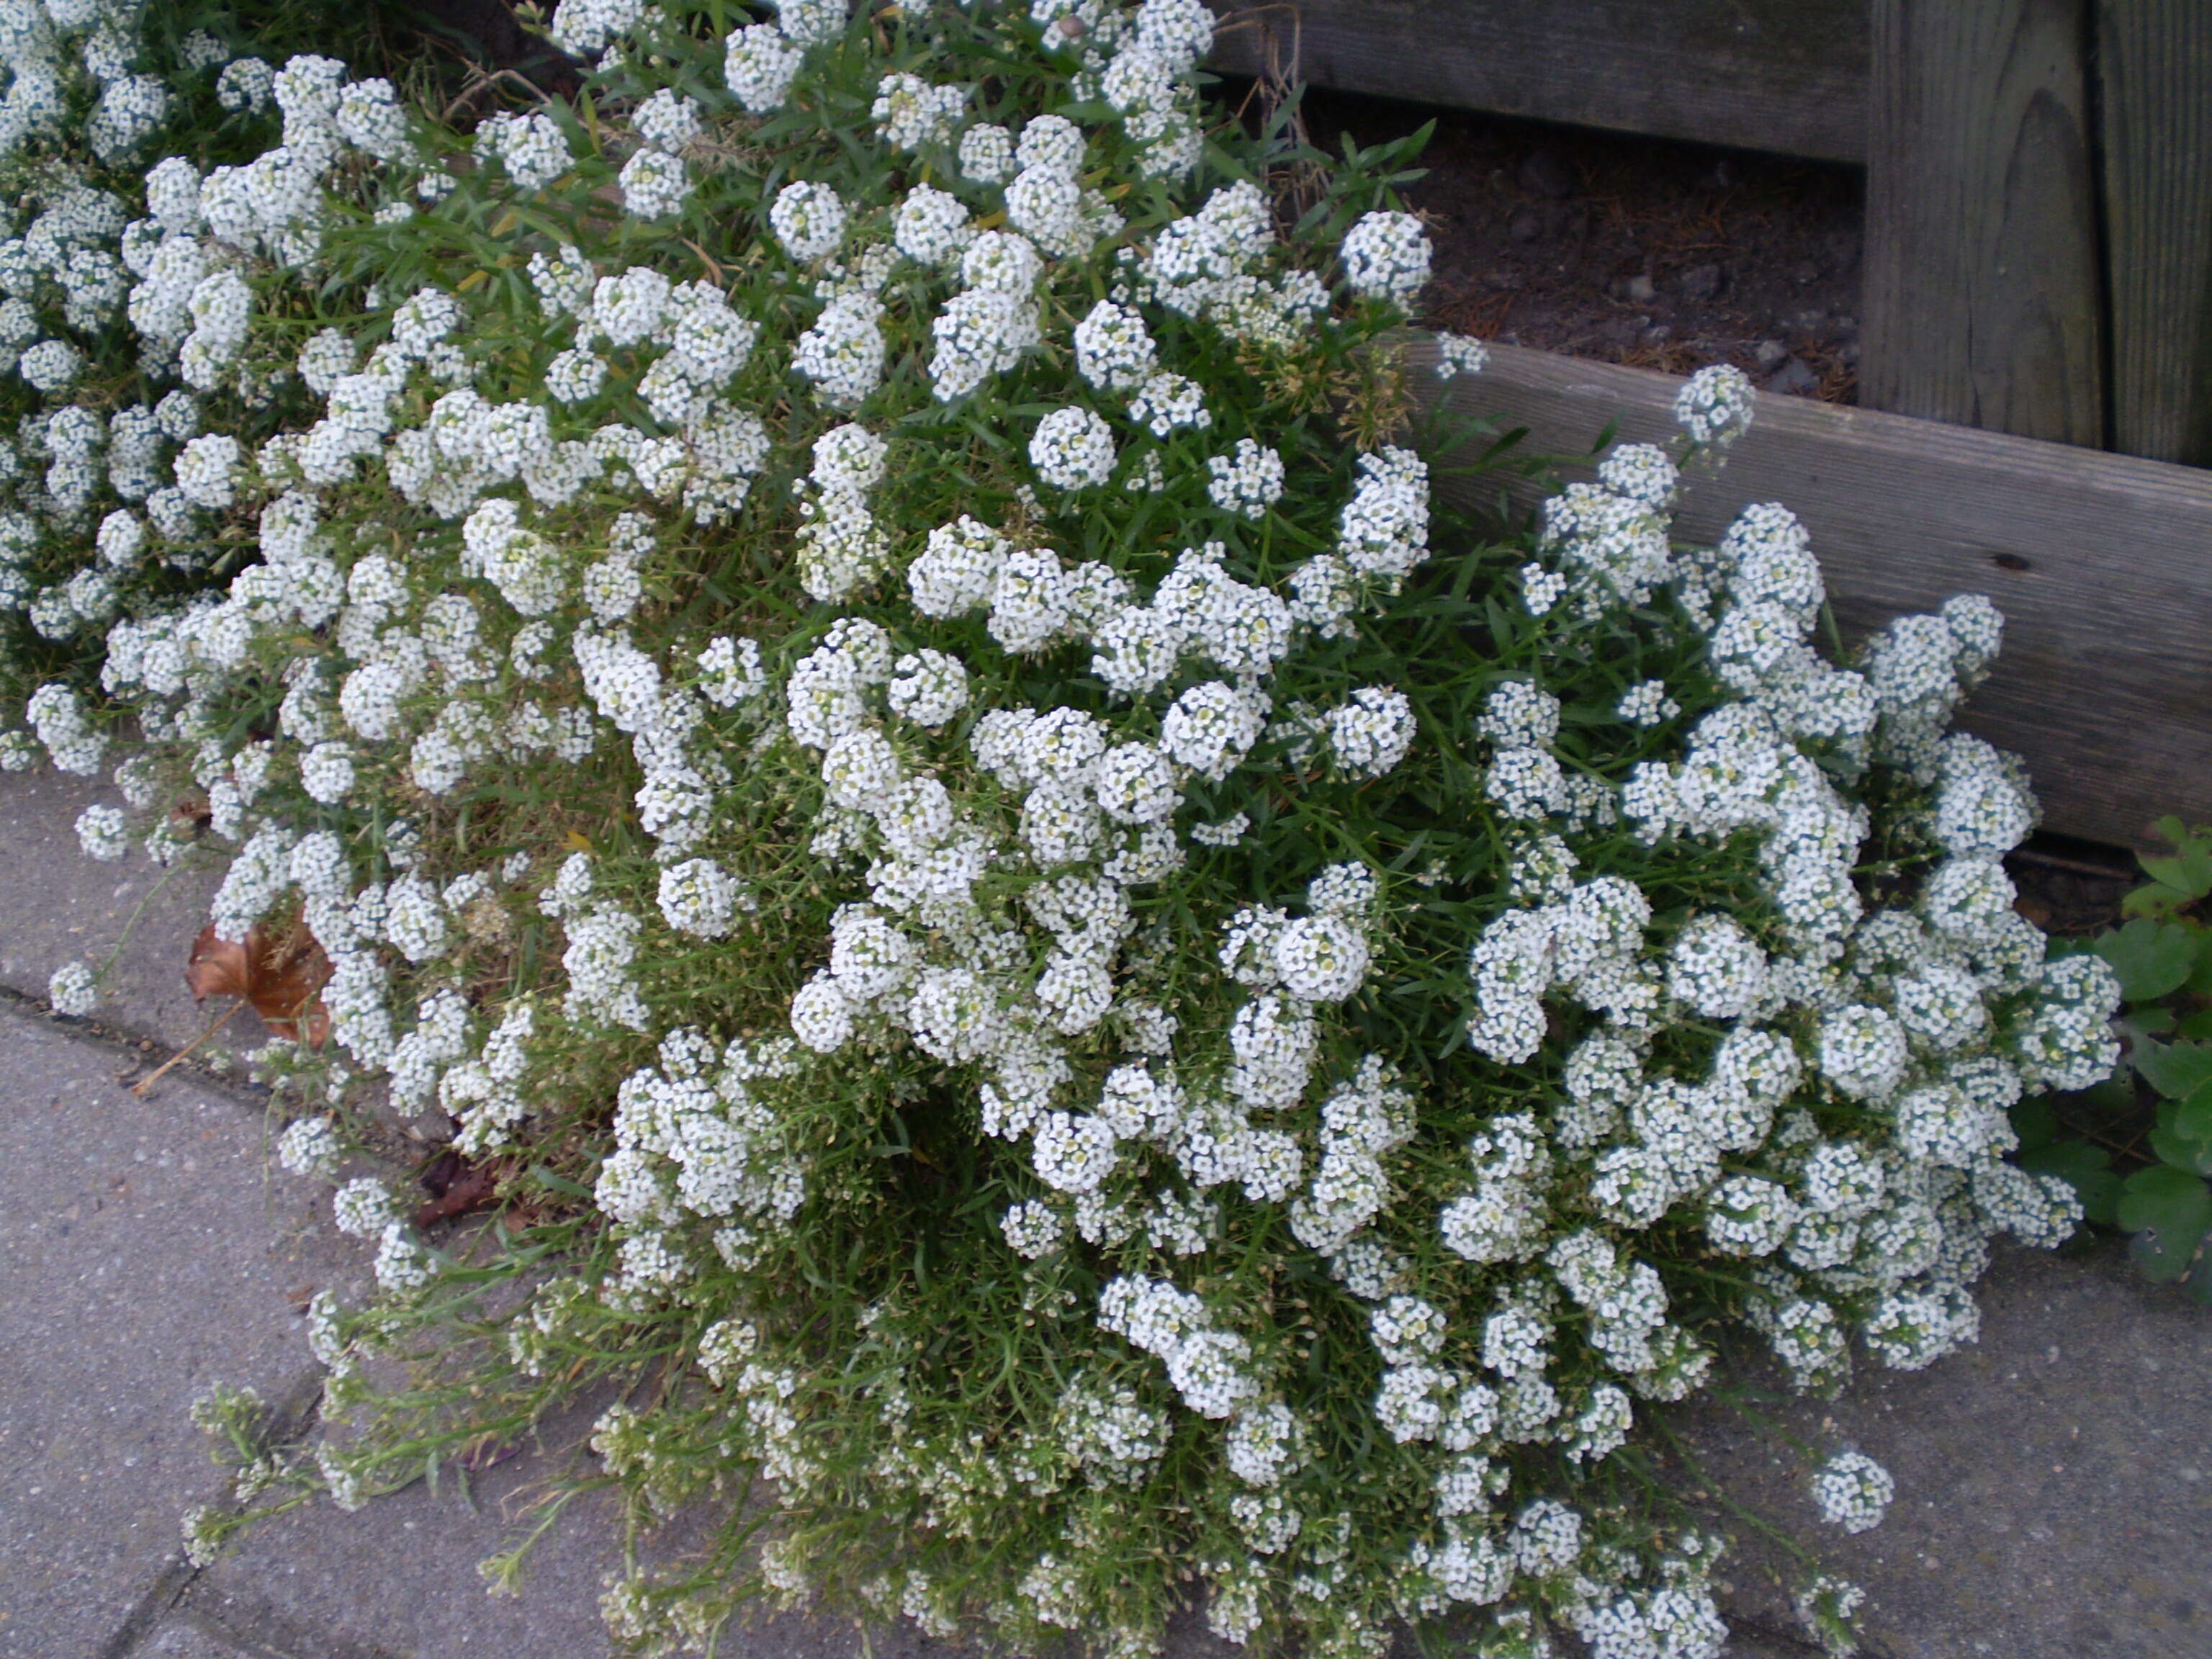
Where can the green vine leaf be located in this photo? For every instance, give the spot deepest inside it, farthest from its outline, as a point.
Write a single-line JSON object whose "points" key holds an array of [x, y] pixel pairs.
{"points": [[2153, 958], [2179, 880], [2169, 1210], [2174, 1069]]}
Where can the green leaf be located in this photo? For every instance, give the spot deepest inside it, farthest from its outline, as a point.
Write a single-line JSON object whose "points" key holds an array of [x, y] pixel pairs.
{"points": [[2153, 958], [2163, 1259], [2199, 1284], [2196, 1027], [2178, 1152], [2192, 1115], [545, 1178], [2035, 1120], [2176, 883], [2086, 1170], [2189, 871], [2169, 1210], [2115, 1094], [2174, 1069]]}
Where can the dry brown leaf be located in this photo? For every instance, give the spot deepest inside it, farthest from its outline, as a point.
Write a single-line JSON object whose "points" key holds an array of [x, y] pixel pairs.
{"points": [[281, 974], [464, 1187]]}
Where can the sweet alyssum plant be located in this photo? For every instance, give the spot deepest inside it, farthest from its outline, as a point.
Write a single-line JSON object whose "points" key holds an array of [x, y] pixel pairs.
{"points": [[93, 93], [840, 643]]}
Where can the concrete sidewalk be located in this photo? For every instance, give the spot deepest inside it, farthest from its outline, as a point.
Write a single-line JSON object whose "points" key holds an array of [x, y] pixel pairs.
{"points": [[2055, 1482], [148, 1251]]}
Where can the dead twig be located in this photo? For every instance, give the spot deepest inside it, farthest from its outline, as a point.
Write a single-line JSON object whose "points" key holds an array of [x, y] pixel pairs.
{"points": [[2073, 866], [154, 1077], [481, 80]]}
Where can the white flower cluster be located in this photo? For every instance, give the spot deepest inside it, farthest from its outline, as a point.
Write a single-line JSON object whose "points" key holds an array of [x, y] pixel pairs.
{"points": [[1852, 1491], [802, 603]]}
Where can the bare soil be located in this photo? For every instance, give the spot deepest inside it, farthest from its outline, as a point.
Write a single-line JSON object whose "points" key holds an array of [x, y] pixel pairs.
{"points": [[1633, 250]]}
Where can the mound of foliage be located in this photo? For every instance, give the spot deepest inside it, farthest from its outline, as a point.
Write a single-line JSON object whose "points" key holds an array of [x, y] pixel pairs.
{"points": [[838, 646]]}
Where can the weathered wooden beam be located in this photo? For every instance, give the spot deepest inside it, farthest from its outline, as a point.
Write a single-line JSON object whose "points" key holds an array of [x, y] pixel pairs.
{"points": [[2098, 562], [1787, 75], [2154, 81], [1982, 287]]}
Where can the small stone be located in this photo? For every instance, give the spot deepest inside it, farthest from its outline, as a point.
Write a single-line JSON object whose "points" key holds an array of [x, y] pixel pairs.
{"points": [[1546, 172], [1769, 354], [1641, 289], [1702, 281], [1793, 378], [1524, 228], [1658, 334]]}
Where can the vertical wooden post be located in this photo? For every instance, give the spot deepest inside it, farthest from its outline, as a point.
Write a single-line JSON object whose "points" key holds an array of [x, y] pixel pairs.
{"points": [[2154, 81], [1983, 283]]}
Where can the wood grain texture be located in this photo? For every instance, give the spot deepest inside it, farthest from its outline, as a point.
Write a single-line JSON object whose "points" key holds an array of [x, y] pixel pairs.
{"points": [[2098, 562], [2154, 73], [1787, 75], [1983, 286]]}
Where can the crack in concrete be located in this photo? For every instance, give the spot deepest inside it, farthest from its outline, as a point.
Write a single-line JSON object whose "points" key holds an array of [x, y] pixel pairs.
{"points": [[284, 1427]]}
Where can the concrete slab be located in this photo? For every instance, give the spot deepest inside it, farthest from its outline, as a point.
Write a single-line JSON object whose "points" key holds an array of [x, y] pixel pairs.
{"points": [[144, 1255], [183, 1641], [58, 906], [2054, 1482], [244, 1630], [399, 1579]]}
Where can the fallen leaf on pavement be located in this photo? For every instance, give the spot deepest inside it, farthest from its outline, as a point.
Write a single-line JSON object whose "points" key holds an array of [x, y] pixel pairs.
{"points": [[281, 974]]}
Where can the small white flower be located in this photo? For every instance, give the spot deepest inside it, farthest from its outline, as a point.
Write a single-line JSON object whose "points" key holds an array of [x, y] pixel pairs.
{"points": [[72, 990], [1073, 449], [808, 219], [1386, 256], [1852, 1491], [1247, 481]]}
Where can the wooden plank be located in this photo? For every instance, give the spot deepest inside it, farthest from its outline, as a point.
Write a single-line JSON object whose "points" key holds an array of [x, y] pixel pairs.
{"points": [[2098, 561], [1982, 291], [1788, 76], [2155, 83]]}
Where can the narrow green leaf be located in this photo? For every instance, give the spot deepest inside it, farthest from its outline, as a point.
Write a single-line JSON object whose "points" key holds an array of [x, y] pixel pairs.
{"points": [[545, 1178]]}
